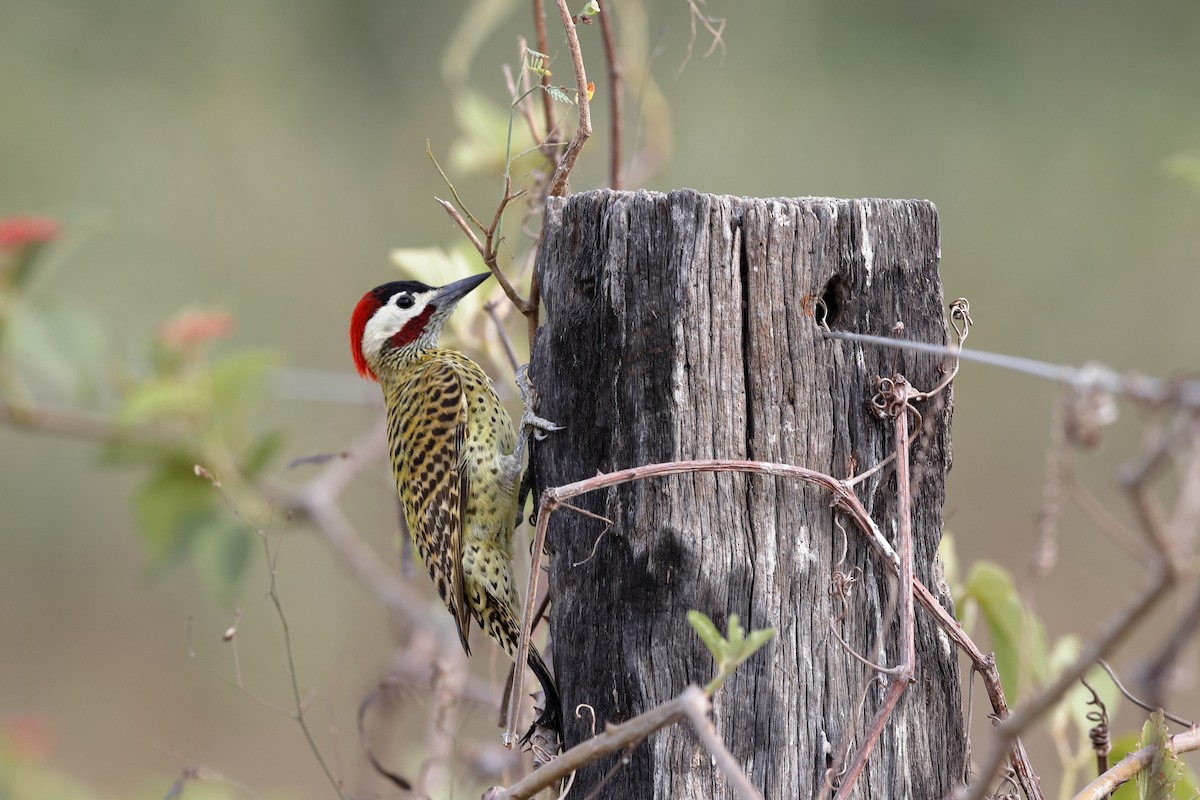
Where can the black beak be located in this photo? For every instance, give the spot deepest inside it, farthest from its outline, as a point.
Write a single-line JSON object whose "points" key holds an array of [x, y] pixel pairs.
{"points": [[451, 293]]}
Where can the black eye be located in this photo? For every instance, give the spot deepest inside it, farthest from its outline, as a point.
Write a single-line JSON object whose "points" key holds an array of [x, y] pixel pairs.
{"points": [[405, 301]]}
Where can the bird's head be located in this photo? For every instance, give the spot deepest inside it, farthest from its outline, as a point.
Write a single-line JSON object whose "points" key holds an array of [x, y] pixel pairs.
{"points": [[402, 314]]}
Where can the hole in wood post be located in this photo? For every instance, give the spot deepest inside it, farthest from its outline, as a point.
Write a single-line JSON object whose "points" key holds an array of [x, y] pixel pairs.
{"points": [[834, 298]]}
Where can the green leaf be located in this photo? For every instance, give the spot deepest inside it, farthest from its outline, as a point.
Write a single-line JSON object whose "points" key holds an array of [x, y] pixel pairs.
{"points": [[160, 399], [737, 634], [708, 633], [1017, 637], [1129, 743], [22, 271], [591, 9], [130, 453], [238, 380], [181, 514], [729, 652], [223, 548], [259, 455], [536, 62], [558, 94], [1159, 780], [61, 343], [172, 507], [758, 638], [26, 775], [1121, 747]]}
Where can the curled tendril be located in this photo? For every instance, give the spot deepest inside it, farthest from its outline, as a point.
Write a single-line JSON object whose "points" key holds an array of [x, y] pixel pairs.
{"points": [[1099, 733], [841, 586], [960, 318], [891, 396], [1007, 789], [821, 314], [579, 715]]}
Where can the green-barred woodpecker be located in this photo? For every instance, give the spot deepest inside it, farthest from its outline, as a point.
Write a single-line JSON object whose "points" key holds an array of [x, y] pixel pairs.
{"points": [[457, 461]]}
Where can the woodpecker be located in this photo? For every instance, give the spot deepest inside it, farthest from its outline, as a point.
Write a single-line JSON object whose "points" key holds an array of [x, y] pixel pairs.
{"points": [[456, 459]]}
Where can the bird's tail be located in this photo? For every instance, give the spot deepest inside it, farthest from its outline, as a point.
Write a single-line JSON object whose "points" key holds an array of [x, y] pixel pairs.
{"points": [[505, 628], [552, 714]]}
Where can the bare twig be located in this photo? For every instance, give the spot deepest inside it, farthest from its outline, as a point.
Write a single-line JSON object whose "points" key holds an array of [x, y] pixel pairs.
{"points": [[550, 144], [1120, 626], [485, 252], [364, 741], [1131, 697], [1128, 767], [1154, 674], [903, 672], [1137, 480], [1187, 507], [535, 299], [439, 740], [1106, 521], [614, 739], [691, 703], [81, 425], [844, 499], [562, 172], [317, 502], [866, 662], [697, 713], [513, 361], [615, 99], [621, 763], [521, 93], [197, 772], [454, 193], [1099, 734], [715, 27], [299, 701]]}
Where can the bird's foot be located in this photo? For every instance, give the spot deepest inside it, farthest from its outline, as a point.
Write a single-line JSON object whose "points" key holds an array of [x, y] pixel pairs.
{"points": [[544, 736], [531, 423]]}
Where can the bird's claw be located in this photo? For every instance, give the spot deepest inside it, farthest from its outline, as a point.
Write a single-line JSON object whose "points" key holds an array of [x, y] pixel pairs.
{"points": [[541, 428], [531, 423]]}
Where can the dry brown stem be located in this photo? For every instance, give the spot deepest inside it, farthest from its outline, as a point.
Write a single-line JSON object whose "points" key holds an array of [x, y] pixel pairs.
{"points": [[691, 704], [1121, 625], [901, 675], [1127, 768], [550, 143], [81, 425], [615, 101], [715, 27], [844, 500], [562, 172]]}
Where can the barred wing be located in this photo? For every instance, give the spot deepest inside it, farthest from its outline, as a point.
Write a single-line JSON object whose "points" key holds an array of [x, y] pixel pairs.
{"points": [[431, 428]]}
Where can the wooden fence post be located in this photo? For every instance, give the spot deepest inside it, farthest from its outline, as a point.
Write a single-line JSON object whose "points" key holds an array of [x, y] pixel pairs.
{"points": [[681, 326]]}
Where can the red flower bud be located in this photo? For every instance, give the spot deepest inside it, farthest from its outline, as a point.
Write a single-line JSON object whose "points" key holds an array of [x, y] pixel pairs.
{"points": [[18, 233]]}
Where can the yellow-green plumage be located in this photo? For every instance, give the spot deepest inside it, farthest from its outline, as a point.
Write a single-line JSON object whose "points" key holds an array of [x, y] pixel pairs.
{"points": [[448, 434], [456, 458]]}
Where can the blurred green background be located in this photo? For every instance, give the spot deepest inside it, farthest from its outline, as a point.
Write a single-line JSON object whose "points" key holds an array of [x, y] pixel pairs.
{"points": [[264, 157]]}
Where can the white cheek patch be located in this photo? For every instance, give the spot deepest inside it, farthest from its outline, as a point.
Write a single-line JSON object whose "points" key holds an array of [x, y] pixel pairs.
{"points": [[387, 322]]}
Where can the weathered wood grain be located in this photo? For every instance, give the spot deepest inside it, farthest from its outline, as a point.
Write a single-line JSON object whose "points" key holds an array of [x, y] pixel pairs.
{"points": [[680, 326]]}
